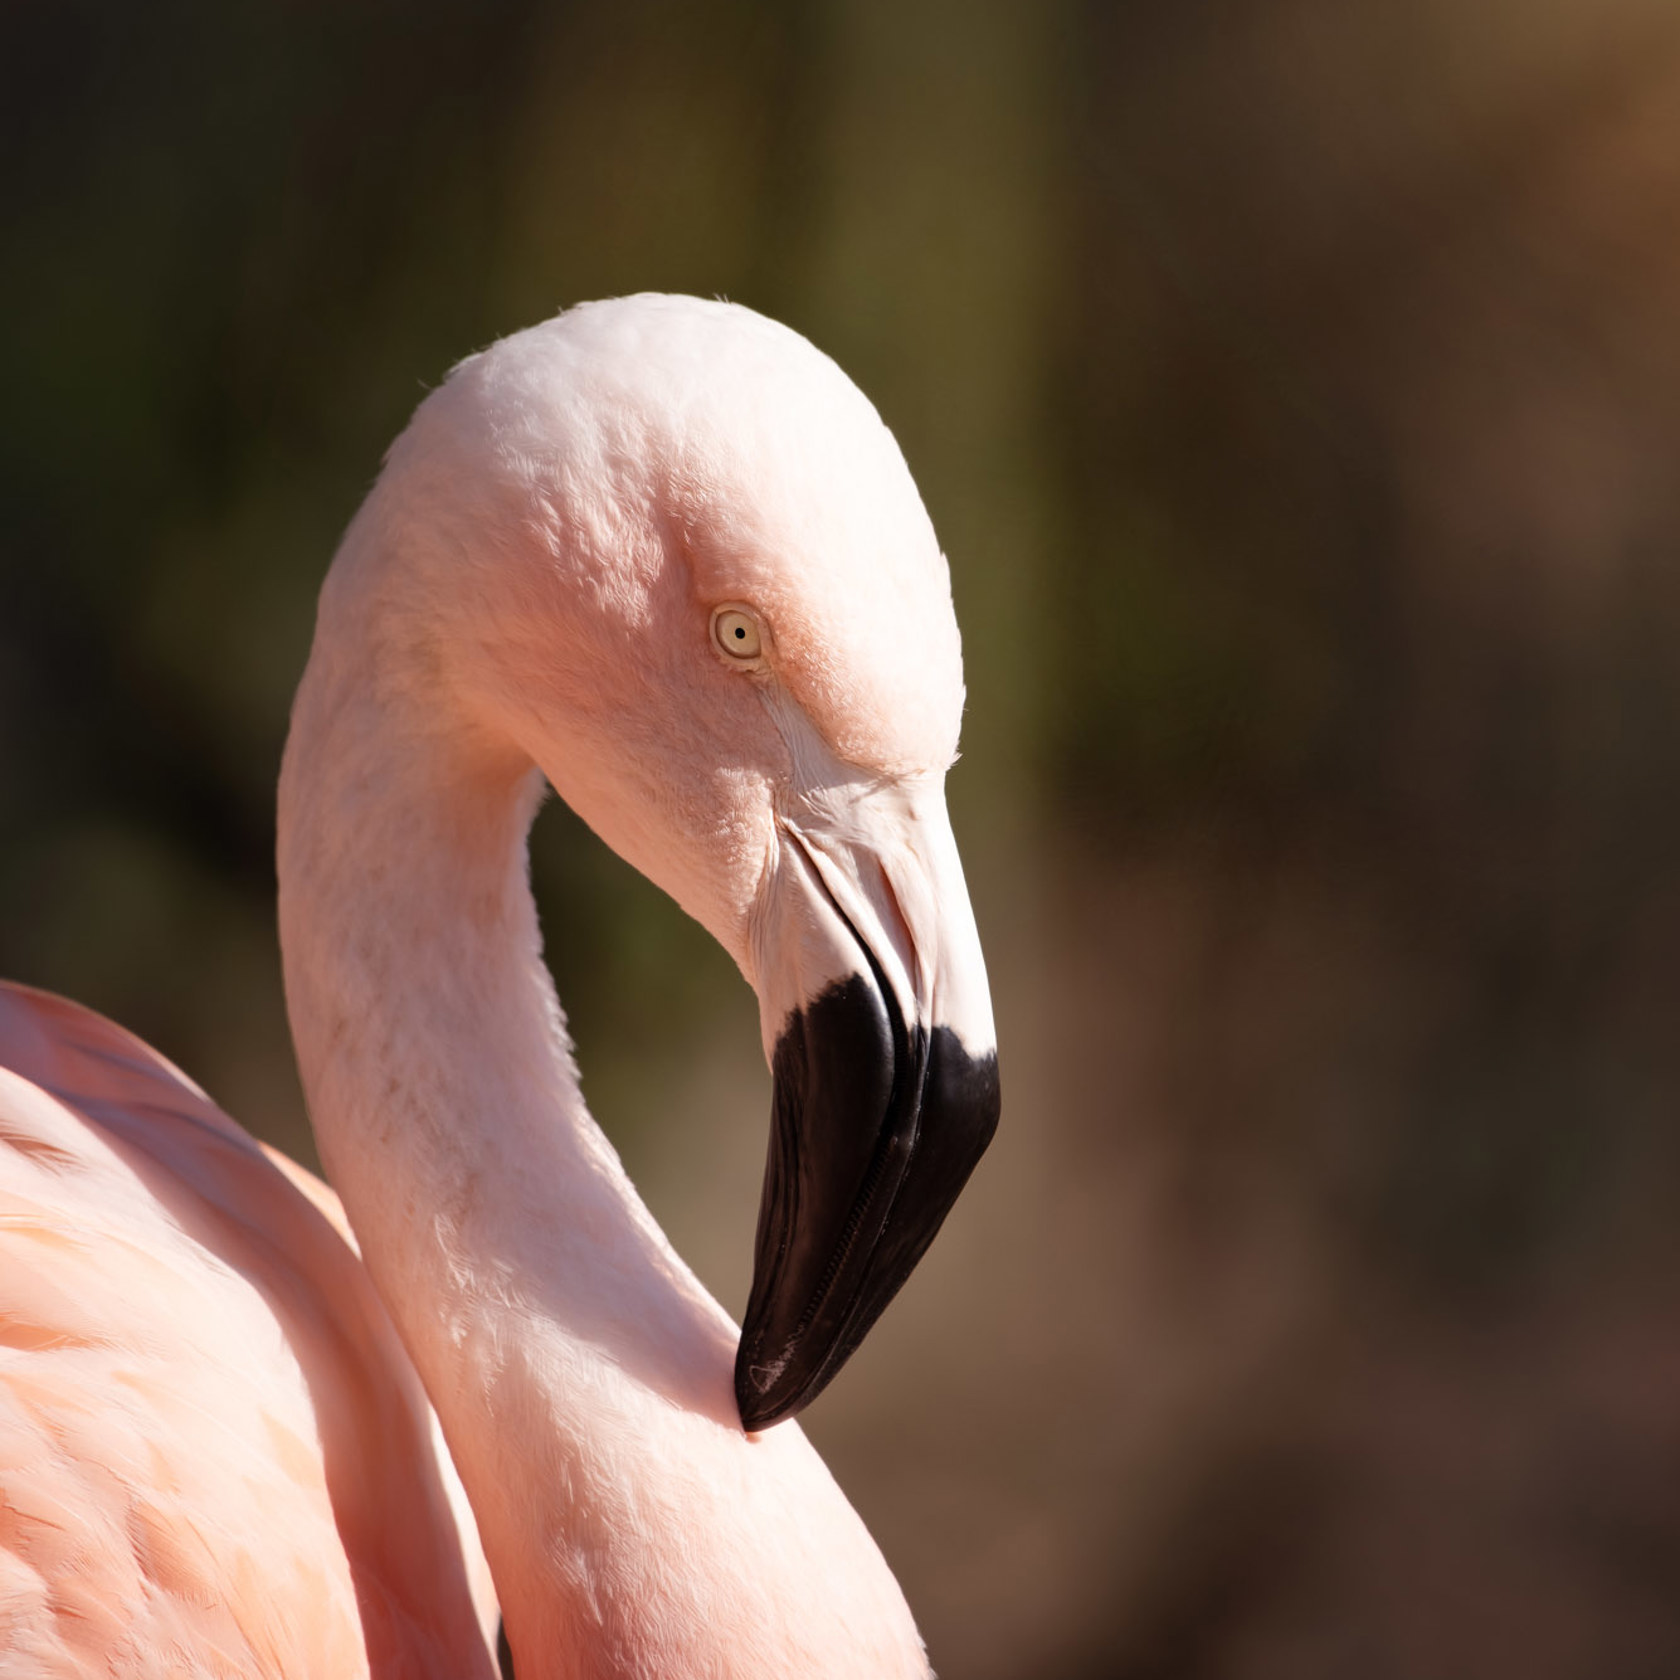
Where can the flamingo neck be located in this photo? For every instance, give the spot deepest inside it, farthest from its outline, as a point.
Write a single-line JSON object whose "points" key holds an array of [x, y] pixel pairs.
{"points": [[546, 1313], [581, 1373]]}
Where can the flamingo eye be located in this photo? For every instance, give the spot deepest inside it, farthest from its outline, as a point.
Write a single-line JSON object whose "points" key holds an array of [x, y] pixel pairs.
{"points": [[736, 632]]}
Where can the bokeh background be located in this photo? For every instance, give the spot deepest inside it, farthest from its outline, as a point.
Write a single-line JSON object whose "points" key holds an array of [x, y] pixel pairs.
{"points": [[1295, 385]]}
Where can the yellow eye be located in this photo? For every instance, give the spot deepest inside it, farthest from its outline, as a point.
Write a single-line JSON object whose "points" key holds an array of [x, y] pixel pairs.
{"points": [[737, 633]]}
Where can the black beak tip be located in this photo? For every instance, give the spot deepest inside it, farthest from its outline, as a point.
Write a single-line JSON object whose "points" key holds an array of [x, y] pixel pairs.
{"points": [[793, 1343], [761, 1399], [771, 1389]]}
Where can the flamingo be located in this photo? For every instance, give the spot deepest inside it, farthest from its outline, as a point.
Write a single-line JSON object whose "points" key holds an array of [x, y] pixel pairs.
{"points": [[662, 555]]}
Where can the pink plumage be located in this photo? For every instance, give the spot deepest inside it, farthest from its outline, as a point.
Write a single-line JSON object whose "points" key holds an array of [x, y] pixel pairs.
{"points": [[214, 1455]]}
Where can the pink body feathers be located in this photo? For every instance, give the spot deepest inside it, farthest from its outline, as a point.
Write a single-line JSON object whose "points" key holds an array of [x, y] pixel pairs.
{"points": [[213, 1450]]}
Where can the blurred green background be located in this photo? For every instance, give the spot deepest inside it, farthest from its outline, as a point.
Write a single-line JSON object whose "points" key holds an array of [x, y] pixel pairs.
{"points": [[1295, 385]]}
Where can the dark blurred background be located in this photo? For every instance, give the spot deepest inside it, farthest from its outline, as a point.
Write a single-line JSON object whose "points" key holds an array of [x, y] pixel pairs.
{"points": [[1295, 385]]}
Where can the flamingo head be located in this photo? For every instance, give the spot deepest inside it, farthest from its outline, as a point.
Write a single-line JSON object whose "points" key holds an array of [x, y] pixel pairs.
{"points": [[676, 559]]}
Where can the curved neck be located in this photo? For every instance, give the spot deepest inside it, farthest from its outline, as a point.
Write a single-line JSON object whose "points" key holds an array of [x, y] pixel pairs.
{"points": [[525, 1275], [583, 1377]]}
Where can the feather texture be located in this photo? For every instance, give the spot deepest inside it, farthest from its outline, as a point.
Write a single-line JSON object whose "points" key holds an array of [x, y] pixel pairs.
{"points": [[215, 1458]]}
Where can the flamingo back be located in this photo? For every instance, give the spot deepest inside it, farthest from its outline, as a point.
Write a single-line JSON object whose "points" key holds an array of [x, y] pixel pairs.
{"points": [[215, 1458]]}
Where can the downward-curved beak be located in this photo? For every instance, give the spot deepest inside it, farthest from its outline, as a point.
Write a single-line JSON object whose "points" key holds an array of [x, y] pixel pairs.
{"points": [[878, 1026]]}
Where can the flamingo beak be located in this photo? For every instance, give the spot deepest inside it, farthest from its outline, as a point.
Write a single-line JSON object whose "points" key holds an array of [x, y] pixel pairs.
{"points": [[878, 1028]]}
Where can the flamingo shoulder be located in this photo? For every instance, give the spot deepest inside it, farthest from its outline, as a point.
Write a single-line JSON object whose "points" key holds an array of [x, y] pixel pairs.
{"points": [[214, 1456]]}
